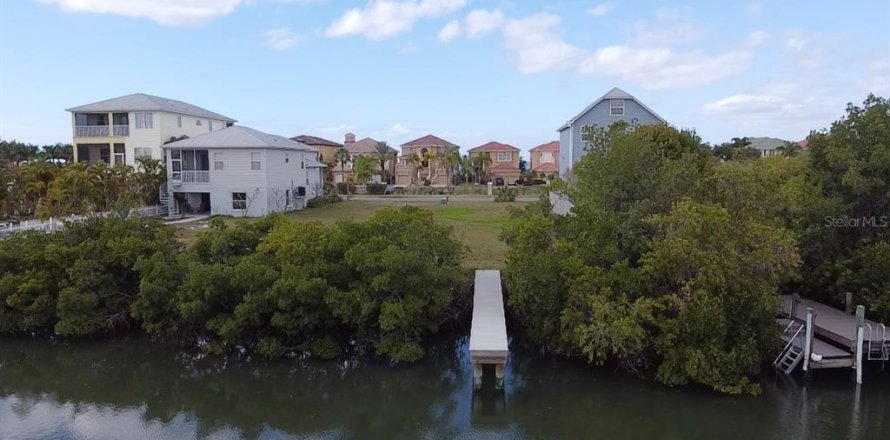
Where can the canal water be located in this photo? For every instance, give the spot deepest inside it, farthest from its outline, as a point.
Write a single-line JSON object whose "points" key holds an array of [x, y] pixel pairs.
{"points": [[135, 389]]}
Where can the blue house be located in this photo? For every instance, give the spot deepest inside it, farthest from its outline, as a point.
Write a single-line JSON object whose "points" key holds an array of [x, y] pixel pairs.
{"points": [[617, 105]]}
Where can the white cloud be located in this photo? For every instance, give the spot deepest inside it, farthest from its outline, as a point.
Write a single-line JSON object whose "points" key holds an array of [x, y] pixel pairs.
{"points": [[399, 129], [754, 9], [343, 128], [281, 38], [670, 14], [536, 45], [382, 19], [600, 9], [451, 31], [663, 68], [796, 40], [754, 39], [479, 22], [166, 12], [667, 33]]}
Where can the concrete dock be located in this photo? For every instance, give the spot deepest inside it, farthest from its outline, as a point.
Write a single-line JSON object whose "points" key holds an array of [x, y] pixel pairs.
{"points": [[488, 334]]}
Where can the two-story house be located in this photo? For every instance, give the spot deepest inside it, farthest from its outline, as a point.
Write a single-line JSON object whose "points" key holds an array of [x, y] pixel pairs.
{"points": [[544, 158], [119, 130], [240, 171], [420, 162], [617, 105], [504, 161]]}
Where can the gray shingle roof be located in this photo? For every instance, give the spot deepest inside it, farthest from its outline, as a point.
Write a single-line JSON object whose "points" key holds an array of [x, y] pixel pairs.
{"points": [[765, 143], [238, 136], [315, 141], [143, 102], [615, 93]]}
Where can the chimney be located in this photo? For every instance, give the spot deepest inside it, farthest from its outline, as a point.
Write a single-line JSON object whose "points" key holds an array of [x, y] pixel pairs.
{"points": [[350, 139]]}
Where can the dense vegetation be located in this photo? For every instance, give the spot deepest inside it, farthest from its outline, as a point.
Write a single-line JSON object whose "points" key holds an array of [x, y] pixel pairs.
{"points": [[273, 286], [45, 183], [673, 259]]}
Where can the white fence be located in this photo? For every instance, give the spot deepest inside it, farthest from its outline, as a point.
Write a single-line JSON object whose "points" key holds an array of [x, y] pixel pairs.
{"points": [[54, 224]]}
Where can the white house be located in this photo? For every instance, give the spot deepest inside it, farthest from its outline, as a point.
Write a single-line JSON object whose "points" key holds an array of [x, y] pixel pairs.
{"points": [[240, 171], [120, 129]]}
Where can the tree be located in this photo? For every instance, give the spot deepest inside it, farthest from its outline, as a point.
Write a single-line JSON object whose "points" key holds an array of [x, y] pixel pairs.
{"points": [[343, 157], [735, 149], [451, 159], [789, 149], [429, 157], [414, 160], [383, 153], [523, 165], [361, 168]]}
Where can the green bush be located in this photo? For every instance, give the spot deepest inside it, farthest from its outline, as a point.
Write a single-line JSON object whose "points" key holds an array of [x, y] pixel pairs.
{"points": [[325, 200], [505, 194], [376, 188], [343, 186], [277, 286], [79, 281]]}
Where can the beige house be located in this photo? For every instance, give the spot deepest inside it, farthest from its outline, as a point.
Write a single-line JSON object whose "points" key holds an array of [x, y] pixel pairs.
{"points": [[326, 149], [504, 161], [119, 130], [365, 147], [419, 162], [545, 158]]}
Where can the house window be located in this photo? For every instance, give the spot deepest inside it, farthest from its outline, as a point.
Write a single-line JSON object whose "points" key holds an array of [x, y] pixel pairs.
{"points": [[139, 152], [255, 161], [209, 125], [547, 157], [302, 164], [179, 121], [239, 201], [144, 120], [505, 156], [120, 155], [218, 163], [616, 107]]}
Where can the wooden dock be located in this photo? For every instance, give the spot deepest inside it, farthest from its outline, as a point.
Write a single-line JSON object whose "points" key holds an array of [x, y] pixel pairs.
{"points": [[488, 334], [832, 324]]}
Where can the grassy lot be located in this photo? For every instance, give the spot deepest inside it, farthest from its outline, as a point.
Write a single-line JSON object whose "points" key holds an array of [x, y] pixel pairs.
{"points": [[476, 224]]}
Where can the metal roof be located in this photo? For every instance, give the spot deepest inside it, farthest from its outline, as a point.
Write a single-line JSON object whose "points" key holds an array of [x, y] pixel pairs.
{"points": [[615, 93], [315, 141], [143, 102], [312, 163], [238, 136]]}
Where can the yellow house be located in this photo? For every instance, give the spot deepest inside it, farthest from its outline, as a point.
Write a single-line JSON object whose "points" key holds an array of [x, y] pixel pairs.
{"points": [[119, 130]]}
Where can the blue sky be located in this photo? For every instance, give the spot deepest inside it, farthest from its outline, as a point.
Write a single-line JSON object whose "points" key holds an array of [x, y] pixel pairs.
{"points": [[470, 71]]}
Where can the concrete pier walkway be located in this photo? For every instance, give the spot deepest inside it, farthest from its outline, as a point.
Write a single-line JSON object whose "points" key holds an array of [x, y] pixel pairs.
{"points": [[488, 334]]}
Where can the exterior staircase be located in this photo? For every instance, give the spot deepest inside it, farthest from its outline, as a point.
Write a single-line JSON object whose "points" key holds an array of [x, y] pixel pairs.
{"points": [[793, 352], [167, 200], [878, 348]]}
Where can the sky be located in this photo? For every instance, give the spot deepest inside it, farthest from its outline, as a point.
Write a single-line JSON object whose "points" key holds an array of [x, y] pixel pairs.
{"points": [[469, 71]]}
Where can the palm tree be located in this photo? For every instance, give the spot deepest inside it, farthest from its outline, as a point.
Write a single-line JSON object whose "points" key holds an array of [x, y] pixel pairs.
{"points": [[361, 168], [413, 159], [430, 157], [466, 165], [789, 149], [383, 153], [451, 159], [343, 157]]}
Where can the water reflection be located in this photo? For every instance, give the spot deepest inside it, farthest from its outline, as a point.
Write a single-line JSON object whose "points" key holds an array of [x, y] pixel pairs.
{"points": [[136, 389]]}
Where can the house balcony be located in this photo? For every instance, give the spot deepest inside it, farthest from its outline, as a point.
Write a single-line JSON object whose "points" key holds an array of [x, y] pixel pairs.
{"points": [[91, 131], [190, 177]]}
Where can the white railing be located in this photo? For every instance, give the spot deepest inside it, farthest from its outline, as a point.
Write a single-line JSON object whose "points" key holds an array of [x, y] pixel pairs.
{"points": [[195, 176], [54, 224], [122, 130], [91, 130]]}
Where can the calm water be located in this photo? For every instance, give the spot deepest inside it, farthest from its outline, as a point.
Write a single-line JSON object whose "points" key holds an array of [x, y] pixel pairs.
{"points": [[133, 389]]}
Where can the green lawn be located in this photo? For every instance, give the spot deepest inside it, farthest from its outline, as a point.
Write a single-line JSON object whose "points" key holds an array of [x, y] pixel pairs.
{"points": [[476, 224]]}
